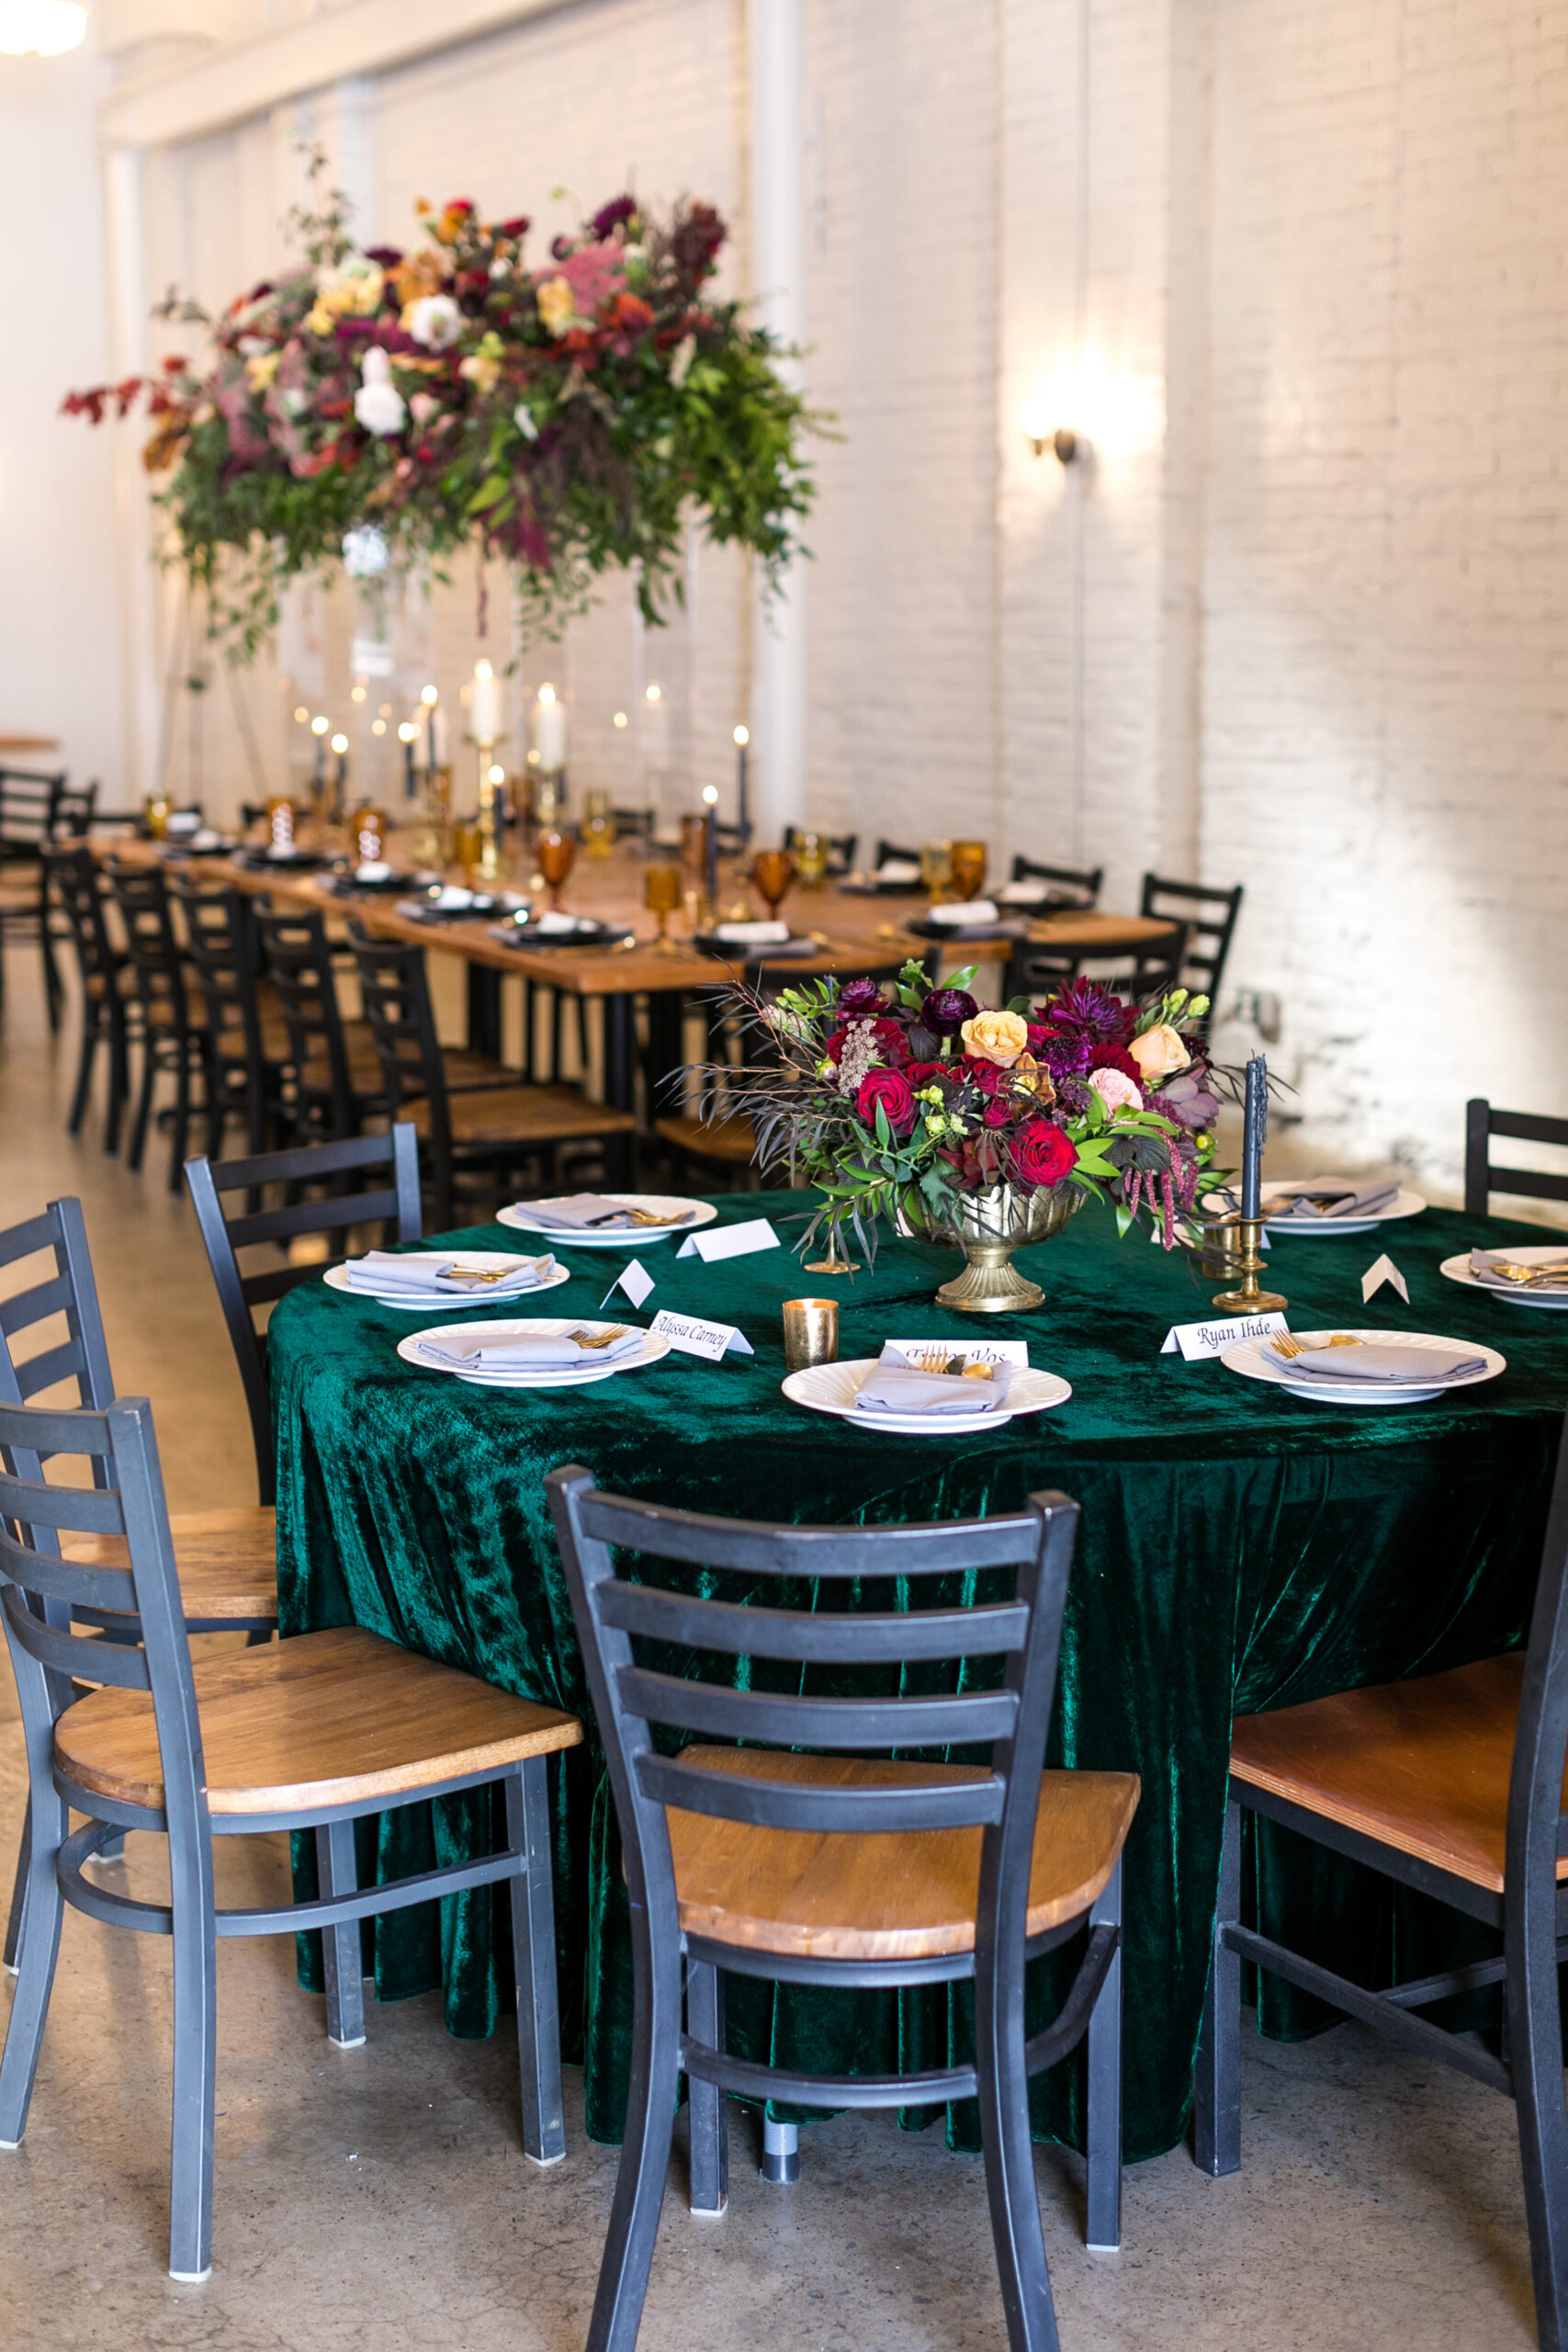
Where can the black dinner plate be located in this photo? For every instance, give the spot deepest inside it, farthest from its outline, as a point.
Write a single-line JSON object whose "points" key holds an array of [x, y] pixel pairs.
{"points": [[868, 887], [346, 885], [587, 932], [480, 903], [920, 927], [751, 951], [274, 861]]}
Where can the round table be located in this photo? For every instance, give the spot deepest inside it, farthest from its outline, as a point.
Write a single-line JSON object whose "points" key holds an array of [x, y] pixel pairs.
{"points": [[1241, 1549]]}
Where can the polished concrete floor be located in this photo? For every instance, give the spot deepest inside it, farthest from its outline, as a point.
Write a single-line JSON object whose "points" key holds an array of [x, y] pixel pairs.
{"points": [[378, 2197]]}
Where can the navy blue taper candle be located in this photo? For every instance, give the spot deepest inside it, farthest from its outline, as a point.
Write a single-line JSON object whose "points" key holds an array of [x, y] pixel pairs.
{"points": [[1254, 1134]]}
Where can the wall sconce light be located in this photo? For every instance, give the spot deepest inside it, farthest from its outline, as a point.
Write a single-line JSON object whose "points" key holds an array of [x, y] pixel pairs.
{"points": [[1064, 445]]}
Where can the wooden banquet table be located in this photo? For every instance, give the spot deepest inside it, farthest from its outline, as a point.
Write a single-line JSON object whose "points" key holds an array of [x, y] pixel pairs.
{"points": [[1241, 1549], [855, 932]]}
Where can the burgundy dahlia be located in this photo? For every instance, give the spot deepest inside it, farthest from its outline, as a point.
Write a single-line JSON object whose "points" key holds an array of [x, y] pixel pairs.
{"points": [[1088, 1006]]}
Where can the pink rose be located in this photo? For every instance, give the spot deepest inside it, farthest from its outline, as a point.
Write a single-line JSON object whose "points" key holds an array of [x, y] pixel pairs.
{"points": [[1115, 1090]]}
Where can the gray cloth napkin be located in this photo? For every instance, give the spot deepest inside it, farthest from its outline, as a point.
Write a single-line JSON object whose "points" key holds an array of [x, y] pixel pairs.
{"points": [[1377, 1364], [580, 1210], [897, 1388], [536, 1351], [383, 1269], [1370, 1200], [1484, 1264]]}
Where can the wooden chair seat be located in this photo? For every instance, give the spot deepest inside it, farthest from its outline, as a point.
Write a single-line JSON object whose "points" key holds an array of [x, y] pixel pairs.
{"points": [[907, 1896], [227, 1560], [733, 1141], [523, 1114], [323, 1720], [1423, 1766]]}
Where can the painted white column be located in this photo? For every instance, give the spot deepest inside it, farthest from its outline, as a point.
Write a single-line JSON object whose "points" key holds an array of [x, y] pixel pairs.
{"points": [[133, 540], [778, 267]]}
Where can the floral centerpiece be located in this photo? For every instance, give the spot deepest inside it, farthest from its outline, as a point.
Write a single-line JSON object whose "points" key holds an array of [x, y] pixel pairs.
{"points": [[913, 1106], [560, 411]]}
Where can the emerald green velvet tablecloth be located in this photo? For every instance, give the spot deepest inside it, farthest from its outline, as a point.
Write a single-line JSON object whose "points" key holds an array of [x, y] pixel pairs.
{"points": [[1241, 1549]]}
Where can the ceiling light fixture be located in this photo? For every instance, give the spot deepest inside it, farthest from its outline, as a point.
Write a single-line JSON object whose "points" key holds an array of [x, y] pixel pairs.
{"points": [[40, 28]]}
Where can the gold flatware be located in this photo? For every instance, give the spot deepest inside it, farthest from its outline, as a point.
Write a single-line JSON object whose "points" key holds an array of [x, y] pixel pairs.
{"points": [[1284, 1344], [938, 1359], [1553, 1270], [599, 1339], [477, 1274], [642, 1216]]}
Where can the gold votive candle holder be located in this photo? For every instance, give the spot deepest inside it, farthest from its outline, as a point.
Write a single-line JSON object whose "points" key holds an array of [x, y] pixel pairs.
{"points": [[810, 1332]]}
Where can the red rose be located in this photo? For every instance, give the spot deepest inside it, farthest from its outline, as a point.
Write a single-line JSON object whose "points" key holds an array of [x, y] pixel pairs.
{"points": [[986, 1077], [995, 1114], [890, 1088], [1041, 1154], [923, 1073]]}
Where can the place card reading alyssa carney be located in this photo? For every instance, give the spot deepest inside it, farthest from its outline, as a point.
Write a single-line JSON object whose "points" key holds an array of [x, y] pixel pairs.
{"points": [[1197, 1341], [695, 1337]]}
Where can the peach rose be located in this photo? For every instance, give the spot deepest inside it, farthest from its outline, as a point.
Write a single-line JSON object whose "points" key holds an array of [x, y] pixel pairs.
{"points": [[1116, 1090], [997, 1037], [1159, 1053]]}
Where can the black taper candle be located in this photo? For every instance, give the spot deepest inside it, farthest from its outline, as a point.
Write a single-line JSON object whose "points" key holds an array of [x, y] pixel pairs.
{"points": [[1254, 1134]]}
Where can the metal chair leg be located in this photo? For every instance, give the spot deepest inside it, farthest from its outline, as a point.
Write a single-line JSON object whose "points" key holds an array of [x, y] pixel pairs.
{"points": [[42, 1910], [87, 1057], [705, 2106], [533, 1960], [1216, 2088], [119, 1084], [1104, 2230], [339, 1874], [645, 2151], [144, 1106], [1535, 2033], [195, 2043], [1010, 2160], [19, 1892]]}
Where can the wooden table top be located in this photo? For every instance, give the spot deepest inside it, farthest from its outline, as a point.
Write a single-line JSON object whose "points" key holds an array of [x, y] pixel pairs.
{"points": [[853, 930]]}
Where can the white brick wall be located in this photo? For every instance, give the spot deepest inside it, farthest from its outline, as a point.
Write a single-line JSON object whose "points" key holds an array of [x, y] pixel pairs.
{"points": [[1298, 270]]}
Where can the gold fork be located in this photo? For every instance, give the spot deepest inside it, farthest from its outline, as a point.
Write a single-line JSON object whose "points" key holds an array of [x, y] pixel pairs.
{"points": [[939, 1360], [1552, 1272], [599, 1339], [1284, 1344]]}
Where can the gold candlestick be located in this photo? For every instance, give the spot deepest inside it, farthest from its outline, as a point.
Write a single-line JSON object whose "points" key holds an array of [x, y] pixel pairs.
{"points": [[489, 864], [1249, 1299]]}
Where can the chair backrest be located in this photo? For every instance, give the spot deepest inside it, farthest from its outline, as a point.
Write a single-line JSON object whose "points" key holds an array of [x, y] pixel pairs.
{"points": [[221, 945], [239, 1294], [1482, 1178], [633, 824], [1146, 970], [885, 850], [395, 993], [1211, 918], [294, 944], [77, 884], [140, 893], [1088, 880], [68, 1290], [778, 1573], [40, 1593], [74, 809], [28, 804], [1538, 1824], [841, 847]]}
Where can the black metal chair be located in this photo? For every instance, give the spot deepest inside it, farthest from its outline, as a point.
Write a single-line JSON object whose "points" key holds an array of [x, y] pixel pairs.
{"points": [[334, 1073], [1143, 971], [394, 1201], [1086, 880], [1211, 918], [29, 804], [174, 1017], [248, 1047], [945, 1871], [308, 1734], [888, 850], [226, 1560], [1481, 1179], [496, 1129], [111, 1014], [1451, 1784]]}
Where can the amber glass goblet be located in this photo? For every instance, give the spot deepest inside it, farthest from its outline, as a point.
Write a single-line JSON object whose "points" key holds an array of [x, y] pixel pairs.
{"points": [[555, 851], [661, 896], [967, 860], [773, 871]]}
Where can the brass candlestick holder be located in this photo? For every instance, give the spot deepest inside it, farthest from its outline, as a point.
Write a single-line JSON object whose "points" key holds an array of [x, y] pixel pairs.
{"points": [[489, 866], [1248, 1299]]}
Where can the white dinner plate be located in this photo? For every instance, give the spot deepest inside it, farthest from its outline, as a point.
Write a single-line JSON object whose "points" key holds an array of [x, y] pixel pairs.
{"points": [[1532, 1254], [691, 1216], [833, 1387], [1407, 1203], [654, 1346], [336, 1277], [1255, 1360]]}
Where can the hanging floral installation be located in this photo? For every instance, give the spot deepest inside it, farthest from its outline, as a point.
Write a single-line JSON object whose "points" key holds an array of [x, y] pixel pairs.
{"points": [[562, 413]]}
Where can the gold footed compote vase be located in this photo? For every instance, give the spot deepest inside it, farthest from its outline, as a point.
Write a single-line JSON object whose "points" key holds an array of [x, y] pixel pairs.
{"points": [[988, 1226]]}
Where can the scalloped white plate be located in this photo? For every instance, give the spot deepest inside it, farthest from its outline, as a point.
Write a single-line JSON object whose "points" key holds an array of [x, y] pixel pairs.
{"points": [[1532, 1254], [833, 1387], [686, 1215], [452, 1301], [1407, 1203], [1255, 1360], [655, 1348]]}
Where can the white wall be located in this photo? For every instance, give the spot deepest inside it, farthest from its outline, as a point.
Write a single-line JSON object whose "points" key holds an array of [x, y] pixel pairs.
{"points": [[60, 642], [1298, 272]]}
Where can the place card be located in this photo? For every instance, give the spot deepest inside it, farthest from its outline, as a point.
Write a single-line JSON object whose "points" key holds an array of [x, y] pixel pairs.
{"points": [[1383, 1270], [695, 1337], [635, 1280], [1199, 1340], [972, 1351], [730, 1241]]}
